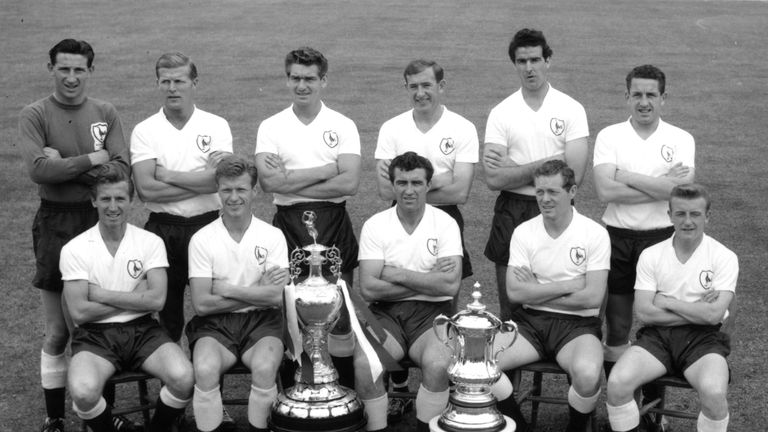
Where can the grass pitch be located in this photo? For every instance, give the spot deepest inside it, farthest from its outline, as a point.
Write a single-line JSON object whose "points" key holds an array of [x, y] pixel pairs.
{"points": [[713, 54]]}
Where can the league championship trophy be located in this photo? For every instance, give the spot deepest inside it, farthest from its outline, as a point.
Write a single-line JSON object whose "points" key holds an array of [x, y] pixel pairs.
{"points": [[317, 402], [470, 334]]}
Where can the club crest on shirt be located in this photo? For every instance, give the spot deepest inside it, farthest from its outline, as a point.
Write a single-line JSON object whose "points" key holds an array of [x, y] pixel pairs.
{"points": [[99, 134], [204, 143], [667, 153], [261, 254], [331, 138], [134, 268], [432, 246], [705, 279], [578, 255], [557, 126], [447, 146]]}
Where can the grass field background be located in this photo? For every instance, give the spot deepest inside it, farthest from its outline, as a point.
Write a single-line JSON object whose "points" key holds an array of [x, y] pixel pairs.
{"points": [[712, 52]]}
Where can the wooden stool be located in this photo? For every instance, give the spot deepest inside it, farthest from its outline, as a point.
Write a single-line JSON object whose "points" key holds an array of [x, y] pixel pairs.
{"points": [[143, 405]]}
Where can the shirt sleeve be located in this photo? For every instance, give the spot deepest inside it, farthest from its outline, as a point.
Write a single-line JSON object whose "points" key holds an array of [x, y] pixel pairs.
{"points": [[449, 239], [469, 145], [495, 132], [517, 251], [141, 145], [349, 141], [385, 145], [604, 151], [645, 280], [599, 257], [73, 266], [224, 141], [686, 150], [156, 257], [577, 126], [371, 247], [726, 272], [265, 143], [278, 254], [200, 260]]}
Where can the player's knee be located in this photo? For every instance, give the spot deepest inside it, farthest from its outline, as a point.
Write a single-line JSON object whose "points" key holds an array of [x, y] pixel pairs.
{"points": [[586, 375], [713, 394], [56, 338], [85, 391], [263, 372], [180, 378], [620, 385]]}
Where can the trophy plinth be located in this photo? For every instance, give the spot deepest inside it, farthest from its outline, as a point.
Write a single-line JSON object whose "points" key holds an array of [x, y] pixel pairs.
{"points": [[317, 402], [472, 406]]}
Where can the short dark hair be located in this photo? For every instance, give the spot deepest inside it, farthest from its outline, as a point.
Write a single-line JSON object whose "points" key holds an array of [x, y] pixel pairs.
{"points": [[410, 161], [110, 173], [72, 46], [420, 65], [174, 60], [234, 166], [689, 191], [648, 72], [555, 167], [306, 56], [529, 38]]}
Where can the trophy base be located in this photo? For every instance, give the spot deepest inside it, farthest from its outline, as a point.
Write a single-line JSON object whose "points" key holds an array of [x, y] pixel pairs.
{"points": [[507, 426], [340, 414]]}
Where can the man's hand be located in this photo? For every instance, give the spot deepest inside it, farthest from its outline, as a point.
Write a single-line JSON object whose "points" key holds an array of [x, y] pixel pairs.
{"points": [[215, 158], [444, 265], [99, 157], [51, 153], [710, 296], [493, 158], [384, 169], [274, 276], [441, 180], [273, 161], [678, 171], [524, 274]]}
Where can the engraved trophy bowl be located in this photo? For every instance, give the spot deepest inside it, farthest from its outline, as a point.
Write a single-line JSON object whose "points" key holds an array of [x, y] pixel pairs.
{"points": [[470, 334], [317, 402]]}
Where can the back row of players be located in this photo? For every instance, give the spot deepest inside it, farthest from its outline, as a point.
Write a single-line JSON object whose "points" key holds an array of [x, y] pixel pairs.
{"points": [[308, 156]]}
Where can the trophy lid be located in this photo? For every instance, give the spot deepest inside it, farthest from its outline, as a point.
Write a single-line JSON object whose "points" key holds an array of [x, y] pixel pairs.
{"points": [[475, 316]]}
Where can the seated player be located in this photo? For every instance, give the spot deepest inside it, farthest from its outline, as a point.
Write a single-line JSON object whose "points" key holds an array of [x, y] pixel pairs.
{"points": [[114, 279], [558, 268], [683, 289], [410, 269], [237, 270]]}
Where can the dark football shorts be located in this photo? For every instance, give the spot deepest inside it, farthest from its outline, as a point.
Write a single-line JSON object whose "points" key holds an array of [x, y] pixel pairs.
{"points": [[176, 232], [333, 227], [409, 319], [626, 247], [126, 345], [236, 331], [511, 210], [455, 213], [549, 332], [679, 347], [55, 224]]}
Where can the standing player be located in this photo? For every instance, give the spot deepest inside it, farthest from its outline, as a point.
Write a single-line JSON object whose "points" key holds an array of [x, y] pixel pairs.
{"points": [[535, 124], [636, 165], [308, 156], [684, 287], [410, 269], [174, 154], [238, 267], [446, 139], [114, 279], [558, 267], [64, 138]]}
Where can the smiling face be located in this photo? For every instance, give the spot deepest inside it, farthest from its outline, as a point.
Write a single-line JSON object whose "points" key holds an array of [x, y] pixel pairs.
{"points": [[531, 67], [690, 217], [112, 202], [237, 196], [306, 85], [177, 88], [70, 75], [424, 90], [553, 199], [411, 189], [645, 101]]}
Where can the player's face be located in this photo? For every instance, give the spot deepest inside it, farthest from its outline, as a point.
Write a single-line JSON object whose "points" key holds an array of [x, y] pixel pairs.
{"points": [[177, 88], [645, 101], [553, 199], [305, 84], [531, 67], [70, 75], [689, 216], [424, 90], [112, 203], [411, 189], [237, 195]]}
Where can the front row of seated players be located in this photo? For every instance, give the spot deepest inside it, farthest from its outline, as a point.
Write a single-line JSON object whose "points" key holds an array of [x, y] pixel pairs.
{"points": [[410, 269]]}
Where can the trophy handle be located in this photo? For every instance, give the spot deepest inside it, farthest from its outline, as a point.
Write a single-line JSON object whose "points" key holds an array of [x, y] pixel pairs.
{"points": [[507, 327], [439, 320]]}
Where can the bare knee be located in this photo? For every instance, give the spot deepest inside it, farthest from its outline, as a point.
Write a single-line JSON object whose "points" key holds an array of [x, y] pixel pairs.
{"points": [[85, 391], [713, 396], [621, 386], [264, 372], [180, 378], [586, 376]]}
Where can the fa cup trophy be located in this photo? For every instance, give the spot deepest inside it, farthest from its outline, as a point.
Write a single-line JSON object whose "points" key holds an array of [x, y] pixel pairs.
{"points": [[317, 402], [470, 334]]}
